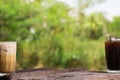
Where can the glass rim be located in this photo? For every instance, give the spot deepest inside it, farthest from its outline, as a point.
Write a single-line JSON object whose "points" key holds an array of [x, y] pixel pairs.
{"points": [[8, 43]]}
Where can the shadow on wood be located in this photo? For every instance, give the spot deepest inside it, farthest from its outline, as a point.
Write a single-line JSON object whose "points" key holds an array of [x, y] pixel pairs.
{"points": [[4, 77]]}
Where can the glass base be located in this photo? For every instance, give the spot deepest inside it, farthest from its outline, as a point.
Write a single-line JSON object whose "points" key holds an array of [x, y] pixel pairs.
{"points": [[113, 71], [3, 74]]}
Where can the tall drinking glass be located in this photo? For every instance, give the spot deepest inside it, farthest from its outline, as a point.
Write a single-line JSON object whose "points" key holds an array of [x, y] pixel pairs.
{"points": [[7, 57], [112, 50]]}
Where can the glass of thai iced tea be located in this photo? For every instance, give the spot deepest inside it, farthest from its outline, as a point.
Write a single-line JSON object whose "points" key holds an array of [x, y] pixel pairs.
{"points": [[7, 57]]}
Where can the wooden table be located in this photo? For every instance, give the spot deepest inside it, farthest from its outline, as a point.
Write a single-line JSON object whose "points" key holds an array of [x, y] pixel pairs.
{"points": [[67, 74]]}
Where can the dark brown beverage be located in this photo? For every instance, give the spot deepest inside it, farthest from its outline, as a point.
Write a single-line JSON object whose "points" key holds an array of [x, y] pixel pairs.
{"points": [[112, 49]]}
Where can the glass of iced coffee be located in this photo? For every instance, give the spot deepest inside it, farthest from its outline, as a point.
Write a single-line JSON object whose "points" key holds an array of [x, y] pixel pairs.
{"points": [[7, 57], [112, 50]]}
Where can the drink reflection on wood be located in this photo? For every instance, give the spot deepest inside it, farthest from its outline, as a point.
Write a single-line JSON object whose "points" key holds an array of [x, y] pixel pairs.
{"points": [[7, 57]]}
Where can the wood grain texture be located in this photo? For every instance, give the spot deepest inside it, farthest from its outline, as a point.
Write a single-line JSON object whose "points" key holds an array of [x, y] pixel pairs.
{"points": [[69, 74]]}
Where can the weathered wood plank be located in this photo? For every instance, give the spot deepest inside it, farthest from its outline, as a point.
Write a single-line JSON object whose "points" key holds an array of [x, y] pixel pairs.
{"points": [[69, 74]]}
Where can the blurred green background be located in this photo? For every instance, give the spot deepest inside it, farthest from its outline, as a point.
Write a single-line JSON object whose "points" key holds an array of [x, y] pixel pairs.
{"points": [[48, 35]]}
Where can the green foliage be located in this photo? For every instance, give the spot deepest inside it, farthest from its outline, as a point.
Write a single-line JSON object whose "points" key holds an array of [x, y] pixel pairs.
{"points": [[88, 54], [48, 35], [94, 25], [113, 27], [90, 27]]}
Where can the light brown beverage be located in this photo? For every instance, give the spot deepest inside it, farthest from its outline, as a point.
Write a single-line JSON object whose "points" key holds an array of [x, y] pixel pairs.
{"points": [[7, 57]]}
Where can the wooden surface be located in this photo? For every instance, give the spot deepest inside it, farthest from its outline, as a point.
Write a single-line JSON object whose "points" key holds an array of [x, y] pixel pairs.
{"points": [[68, 74]]}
